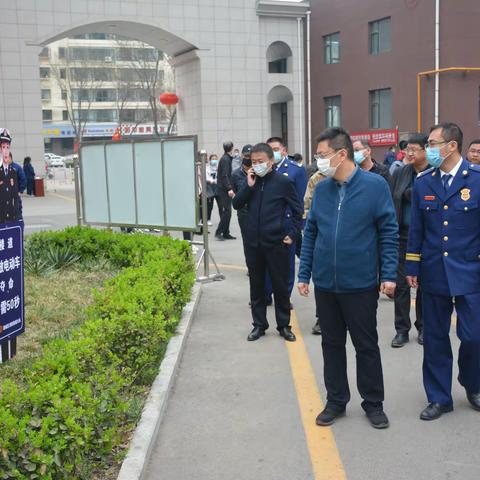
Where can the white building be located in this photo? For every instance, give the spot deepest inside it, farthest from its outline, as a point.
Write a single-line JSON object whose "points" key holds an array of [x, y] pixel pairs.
{"points": [[95, 82], [238, 64]]}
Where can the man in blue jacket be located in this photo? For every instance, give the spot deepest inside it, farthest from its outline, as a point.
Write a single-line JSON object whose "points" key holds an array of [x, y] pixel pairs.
{"points": [[443, 256], [351, 237], [267, 237]]}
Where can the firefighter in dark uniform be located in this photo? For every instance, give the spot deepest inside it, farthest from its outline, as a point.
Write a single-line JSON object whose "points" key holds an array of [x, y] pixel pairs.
{"points": [[443, 255], [9, 198]]}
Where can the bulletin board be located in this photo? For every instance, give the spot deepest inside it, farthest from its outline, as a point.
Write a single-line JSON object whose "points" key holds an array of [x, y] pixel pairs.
{"points": [[140, 183]]}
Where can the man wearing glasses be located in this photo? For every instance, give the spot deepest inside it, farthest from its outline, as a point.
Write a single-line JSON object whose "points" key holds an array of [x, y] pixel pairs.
{"points": [[350, 240], [401, 186], [443, 255]]}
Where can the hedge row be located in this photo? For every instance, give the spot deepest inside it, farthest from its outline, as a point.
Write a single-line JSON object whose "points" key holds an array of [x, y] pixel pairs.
{"points": [[74, 406]]}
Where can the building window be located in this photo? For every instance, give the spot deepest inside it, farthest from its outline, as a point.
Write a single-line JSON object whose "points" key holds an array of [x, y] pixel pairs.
{"points": [[45, 53], [46, 94], [279, 58], [381, 108], [62, 52], [63, 73], [379, 32], [64, 94], [333, 110], [64, 115], [46, 114], [331, 46], [44, 72]]}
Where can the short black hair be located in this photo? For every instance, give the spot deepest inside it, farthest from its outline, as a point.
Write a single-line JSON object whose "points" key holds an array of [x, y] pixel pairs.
{"points": [[263, 148], [364, 142], [227, 147], [276, 139], [337, 138], [212, 155], [476, 140], [418, 139], [402, 144], [451, 132], [298, 157]]}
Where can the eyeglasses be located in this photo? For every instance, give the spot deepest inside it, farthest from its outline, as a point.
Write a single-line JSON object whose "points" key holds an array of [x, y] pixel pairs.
{"points": [[413, 151], [433, 143]]}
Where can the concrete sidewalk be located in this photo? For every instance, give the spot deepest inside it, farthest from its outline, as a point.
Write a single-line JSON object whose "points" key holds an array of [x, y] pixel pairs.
{"points": [[237, 407]]}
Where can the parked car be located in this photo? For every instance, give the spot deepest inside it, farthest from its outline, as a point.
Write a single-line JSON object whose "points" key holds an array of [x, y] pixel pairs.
{"points": [[54, 160]]}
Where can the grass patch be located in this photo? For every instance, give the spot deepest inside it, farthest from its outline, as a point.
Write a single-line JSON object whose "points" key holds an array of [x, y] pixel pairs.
{"points": [[54, 305]]}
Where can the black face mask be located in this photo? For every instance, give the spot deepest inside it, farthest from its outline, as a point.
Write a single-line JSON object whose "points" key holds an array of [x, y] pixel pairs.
{"points": [[247, 162]]}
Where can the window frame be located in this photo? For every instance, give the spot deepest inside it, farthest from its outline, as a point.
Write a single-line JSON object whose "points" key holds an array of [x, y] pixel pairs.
{"points": [[328, 49]]}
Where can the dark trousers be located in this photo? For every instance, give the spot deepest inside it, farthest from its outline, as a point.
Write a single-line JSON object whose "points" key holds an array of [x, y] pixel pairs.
{"points": [[290, 276], [242, 222], [273, 260], [209, 207], [225, 208], [402, 297], [30, 186], [437, 350], [356, 312]]}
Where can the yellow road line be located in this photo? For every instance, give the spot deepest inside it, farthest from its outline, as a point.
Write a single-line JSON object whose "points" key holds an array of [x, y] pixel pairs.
{"points": [[324, 455], [227, 266], [62, 196]]}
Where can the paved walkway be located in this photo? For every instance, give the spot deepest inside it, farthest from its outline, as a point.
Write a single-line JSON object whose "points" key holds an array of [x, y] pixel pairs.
{"points": [[245, 410]]}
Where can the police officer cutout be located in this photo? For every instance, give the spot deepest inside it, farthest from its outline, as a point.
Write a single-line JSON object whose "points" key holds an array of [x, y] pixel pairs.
{"points": [[443, 256], [350, 236], [267, 238]]}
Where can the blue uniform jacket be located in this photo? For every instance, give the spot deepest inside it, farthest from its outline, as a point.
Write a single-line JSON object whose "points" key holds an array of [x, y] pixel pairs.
{"points": [[22, 180], [267, 201], [444, 238], [298, 176], [344, 242]]}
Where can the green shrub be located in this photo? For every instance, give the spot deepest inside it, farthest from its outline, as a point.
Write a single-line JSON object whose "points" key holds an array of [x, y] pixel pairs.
{"points": [[78, 397]]}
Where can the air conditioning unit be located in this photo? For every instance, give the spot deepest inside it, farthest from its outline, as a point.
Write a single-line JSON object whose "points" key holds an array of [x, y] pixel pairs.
{"points": [[108, 59]]}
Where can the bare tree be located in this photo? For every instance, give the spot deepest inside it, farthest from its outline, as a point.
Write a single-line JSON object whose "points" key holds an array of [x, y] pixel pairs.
{"points": [[78, 82], [145, 65]]}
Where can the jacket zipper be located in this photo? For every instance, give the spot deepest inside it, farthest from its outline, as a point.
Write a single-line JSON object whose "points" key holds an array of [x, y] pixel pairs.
{"points": [[335, 245], [260, 208]]}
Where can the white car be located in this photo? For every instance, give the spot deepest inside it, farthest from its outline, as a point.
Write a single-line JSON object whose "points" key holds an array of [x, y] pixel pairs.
{"points": [[54, 160]]}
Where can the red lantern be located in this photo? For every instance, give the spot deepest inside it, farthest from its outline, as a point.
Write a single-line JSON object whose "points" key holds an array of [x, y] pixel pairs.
{"points": [[168, 98]]}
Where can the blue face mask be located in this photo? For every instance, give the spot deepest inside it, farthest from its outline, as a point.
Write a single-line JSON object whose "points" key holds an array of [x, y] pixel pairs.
{"points": [[433, 156], [277, 157], [359, 157]]}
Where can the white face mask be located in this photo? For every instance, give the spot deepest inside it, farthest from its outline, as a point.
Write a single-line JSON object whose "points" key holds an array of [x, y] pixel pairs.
{"points": [[324, 167], [261, 169]]}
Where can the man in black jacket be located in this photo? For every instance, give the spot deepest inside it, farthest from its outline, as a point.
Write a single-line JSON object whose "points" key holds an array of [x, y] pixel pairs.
{"points": [[401, 186], [239, 178], [363, 158], [225, 193], [267, 237]]}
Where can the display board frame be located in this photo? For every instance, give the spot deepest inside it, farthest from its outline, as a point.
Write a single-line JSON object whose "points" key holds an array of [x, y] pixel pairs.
{"points": [[167, 172]]}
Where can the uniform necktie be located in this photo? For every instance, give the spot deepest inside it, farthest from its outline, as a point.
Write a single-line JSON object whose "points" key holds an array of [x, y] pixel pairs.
{"points": [[445, 179]]}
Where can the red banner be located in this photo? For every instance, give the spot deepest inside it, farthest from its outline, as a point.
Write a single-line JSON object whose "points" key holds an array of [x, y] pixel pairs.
{"points": [[377, 138]]}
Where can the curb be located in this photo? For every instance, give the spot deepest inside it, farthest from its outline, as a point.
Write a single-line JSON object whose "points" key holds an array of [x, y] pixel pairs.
{"points": [[141, 445]]}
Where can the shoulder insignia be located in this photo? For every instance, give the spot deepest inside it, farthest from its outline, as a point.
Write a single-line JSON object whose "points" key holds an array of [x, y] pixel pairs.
{"points": [[474, 167], [426, 172]]}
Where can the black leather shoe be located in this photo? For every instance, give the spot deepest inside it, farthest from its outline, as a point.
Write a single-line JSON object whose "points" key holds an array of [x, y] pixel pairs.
{"points": [[287, 334], [316, 330], [328, 416], [420, 337], [255, 334], [399, 340], [434, 411], [229, 237], [378, 419], [474, 399]]}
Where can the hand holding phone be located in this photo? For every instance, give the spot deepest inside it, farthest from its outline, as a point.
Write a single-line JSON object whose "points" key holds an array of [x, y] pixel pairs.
{"points": [[251, 177]]}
